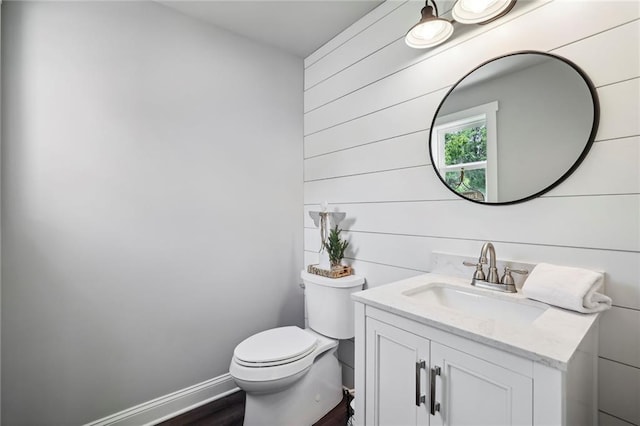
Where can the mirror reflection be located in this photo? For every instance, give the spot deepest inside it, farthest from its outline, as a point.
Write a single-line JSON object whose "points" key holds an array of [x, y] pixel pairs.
{"points": [[513, 128]]}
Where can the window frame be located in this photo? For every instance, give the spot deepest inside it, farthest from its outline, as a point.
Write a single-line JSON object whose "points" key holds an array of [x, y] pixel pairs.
{"points": [[486, 112]]}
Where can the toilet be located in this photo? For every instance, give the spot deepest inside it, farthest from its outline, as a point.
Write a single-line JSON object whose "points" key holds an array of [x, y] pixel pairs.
{"points": [[291, 375]]}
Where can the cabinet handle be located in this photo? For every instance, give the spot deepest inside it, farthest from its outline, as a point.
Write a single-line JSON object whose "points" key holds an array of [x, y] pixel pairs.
{"points": [[435, 406], [421, 364]]}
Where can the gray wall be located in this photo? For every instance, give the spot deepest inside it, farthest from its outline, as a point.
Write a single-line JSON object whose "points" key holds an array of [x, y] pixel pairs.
{"points": [[151, 204]]}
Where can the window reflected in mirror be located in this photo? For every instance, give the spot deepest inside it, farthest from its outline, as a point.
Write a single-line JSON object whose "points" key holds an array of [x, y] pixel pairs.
{"points": [[462, 151]]}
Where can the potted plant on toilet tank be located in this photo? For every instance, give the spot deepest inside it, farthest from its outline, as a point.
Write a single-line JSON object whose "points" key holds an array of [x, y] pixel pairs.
{"points": [[335, 247], [331, 254], [332, 247]]}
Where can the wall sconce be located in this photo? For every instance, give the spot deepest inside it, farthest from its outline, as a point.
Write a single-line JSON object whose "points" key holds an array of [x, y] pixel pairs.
{"points": [[433, 30], [430, 31], [480, 11]]}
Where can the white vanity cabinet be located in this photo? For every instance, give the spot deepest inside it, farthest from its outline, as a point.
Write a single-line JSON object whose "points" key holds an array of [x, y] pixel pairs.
{"points": [[418, 364], [411, 380], [472, 391], [395, 379]]}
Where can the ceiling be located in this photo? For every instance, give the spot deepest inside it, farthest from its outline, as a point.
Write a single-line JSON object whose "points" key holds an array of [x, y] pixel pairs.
{"points": [[296, 26]]}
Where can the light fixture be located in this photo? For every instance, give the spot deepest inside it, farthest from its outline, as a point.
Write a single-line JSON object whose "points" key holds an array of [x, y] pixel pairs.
{"points": [[480, 11], [430, 31], [433, 30]]}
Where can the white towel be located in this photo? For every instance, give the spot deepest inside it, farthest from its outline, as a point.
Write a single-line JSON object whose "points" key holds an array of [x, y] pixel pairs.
{"points": [[566, 287]]}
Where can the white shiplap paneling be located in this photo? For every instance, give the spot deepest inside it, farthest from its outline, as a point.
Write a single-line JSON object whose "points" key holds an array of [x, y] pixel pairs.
{"points": [[394, 57], [351, 176], [385, 30], [619, 390], [548, 23], [339, 43], [366, 132], [414, 252], [625, 57], [617, 104], [577, 221], [625, 322], [382, 186], [405, 118], [383, 155]]}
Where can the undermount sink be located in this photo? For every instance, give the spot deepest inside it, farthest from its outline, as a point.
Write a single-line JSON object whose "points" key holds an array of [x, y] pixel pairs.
{"points": [[476, 304]]}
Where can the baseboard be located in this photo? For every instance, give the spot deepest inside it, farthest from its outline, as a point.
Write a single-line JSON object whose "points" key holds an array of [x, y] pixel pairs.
{"points": [[168, 406]]}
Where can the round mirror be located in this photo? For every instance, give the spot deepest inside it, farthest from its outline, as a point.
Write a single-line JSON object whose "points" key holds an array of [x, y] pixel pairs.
{"points": [[513, 128]]}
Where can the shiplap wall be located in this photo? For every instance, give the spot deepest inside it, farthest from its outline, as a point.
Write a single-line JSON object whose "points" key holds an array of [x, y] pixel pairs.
{"points": [[369, 100]]}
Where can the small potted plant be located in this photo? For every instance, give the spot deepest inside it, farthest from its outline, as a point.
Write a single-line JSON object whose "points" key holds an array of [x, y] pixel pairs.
{"points": [[335, 247]]}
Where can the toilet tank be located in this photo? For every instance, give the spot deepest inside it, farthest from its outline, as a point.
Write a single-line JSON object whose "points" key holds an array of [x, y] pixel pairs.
{"points": [[330, 310]]}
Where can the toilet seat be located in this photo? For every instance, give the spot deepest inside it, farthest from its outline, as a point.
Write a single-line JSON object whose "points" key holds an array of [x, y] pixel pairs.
{"points": [[275, 347], [295, 366]]}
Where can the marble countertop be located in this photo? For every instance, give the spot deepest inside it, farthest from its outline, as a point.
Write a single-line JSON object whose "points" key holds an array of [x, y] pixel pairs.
{"points": [[551, 338]]}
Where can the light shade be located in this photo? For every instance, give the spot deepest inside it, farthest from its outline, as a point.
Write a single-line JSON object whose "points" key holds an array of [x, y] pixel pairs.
{"points": [[480, 11], [430, 31]]}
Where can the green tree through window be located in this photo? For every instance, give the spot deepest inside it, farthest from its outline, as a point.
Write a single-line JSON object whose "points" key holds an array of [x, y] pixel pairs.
{"points": [[468, 145]]}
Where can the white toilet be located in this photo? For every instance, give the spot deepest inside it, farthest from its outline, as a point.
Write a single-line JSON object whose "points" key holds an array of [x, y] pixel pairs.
{"points": [[291, 375]]}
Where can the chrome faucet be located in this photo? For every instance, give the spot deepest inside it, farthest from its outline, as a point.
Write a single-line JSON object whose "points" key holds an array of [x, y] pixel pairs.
{"points": [[493, 270], [492, 281]]}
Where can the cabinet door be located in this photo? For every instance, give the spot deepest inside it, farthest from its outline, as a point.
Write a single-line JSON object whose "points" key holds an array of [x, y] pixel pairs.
{"points": [[396, 376], [471, 391]]}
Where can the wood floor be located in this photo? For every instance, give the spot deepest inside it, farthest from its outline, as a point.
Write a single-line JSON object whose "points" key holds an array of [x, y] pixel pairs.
{"points": [[229, 411]]}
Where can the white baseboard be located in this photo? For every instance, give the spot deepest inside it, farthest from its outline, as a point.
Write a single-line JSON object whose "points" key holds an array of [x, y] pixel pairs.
{"points": [[171, 405]]}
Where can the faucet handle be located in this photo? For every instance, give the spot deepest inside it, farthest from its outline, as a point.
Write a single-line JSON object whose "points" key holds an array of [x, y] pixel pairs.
{"points": [[507, 278], [479, 273]]}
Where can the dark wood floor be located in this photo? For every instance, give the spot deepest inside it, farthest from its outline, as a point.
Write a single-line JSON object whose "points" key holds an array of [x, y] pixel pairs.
{"points": [[229, 411]]}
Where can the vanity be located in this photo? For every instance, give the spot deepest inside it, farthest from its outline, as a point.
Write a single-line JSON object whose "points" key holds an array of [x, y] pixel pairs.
{"points": [[433, 350]]}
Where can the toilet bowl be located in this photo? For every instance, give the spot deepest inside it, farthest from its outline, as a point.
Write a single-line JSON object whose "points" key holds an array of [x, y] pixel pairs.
{"points": [[291, 375]]}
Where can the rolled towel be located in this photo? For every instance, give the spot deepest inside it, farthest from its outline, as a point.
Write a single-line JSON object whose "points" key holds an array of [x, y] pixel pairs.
{"points": [[566, 287]]}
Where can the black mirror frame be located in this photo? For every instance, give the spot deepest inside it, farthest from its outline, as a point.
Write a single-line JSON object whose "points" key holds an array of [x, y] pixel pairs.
{"points": [[576, 164]]}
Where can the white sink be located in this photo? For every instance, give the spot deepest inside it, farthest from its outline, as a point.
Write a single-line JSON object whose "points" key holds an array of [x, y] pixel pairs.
{"points": [[476, 304]]}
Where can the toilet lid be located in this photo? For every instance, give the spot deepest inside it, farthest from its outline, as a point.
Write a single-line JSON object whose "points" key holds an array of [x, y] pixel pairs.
{"points": [[275, 346]]}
